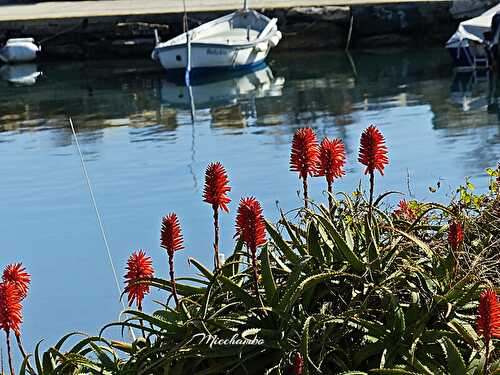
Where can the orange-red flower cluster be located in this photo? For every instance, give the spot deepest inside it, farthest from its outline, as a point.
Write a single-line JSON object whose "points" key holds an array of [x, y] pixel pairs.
{"points": [[372, 151], [455, 235], [404, 211], [298, 364], [139, 267], [331, 159], [171, 236], [16, 274], [250, 223], [10, 308], [305, 153], [488, 320], [216, 186]]}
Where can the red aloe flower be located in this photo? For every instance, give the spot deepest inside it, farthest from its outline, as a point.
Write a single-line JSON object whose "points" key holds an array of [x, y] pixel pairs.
{"points": [[16, 274], [488, 320], [251, 227], [373, 152], [171, 236], [331, 163], [250, 223], [216, 186], [405, 211], [11, 315], [455, 235], [171, 240], [304, 155], [139, 266], [298, 364], [214, 192], [331, 159]]}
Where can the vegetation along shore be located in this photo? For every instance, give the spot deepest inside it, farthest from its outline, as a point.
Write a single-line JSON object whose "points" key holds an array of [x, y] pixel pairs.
{"points": [[345, 284]]}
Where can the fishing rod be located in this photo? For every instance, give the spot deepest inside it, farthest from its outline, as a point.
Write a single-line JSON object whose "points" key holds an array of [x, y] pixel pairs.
{"points": [[99, 220]]}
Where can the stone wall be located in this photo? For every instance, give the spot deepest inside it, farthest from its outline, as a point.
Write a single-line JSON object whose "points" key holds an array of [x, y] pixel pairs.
{"points": [[403, 25]]}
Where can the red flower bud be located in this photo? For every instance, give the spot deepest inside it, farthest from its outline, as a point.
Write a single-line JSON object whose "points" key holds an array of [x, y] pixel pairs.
{"points": [[373, 152], [331, 159], [488, 320], [305, 152], [16, 274], [216, 186], [139, 266]]}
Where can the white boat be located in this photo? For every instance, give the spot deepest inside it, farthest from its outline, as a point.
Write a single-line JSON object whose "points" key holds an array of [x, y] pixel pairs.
{"points": [[468, 46], [19, 50], [238, 40]]}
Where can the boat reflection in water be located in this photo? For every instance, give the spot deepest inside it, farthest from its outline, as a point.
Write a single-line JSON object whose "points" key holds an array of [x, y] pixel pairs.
{"points": [[220, 90], [474, 91], [20, 75]]}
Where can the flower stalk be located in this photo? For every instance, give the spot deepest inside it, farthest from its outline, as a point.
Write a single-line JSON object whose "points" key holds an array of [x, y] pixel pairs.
{"points": [[215, 193], [171, 240], [251, 228], [372, 154]]}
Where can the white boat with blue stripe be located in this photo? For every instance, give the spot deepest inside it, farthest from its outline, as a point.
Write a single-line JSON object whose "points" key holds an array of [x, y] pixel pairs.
{"points": [[240, 40]]}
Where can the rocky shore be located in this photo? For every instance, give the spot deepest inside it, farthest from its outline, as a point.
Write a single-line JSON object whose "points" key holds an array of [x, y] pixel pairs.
{"points": [[359, 26]]}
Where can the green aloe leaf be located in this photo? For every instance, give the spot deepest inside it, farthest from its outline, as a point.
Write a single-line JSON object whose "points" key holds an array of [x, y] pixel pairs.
{"points": [[456, 364], [344, 249], [313, 243], [281, 243], [238, 291], [267, 276]]}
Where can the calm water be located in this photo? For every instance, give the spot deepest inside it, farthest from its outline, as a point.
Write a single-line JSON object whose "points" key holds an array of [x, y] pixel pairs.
{"points": [[146, 157]]}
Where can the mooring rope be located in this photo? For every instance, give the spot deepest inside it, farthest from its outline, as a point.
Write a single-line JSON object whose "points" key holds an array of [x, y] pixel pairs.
{"points": [[98, 215], [99, 220]]}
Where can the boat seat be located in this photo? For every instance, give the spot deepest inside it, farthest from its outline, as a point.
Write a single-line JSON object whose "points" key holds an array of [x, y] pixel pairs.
{"points": [[228, 36]]}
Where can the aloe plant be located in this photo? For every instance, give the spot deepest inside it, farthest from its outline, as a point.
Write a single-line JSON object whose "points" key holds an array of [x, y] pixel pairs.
{"points": [[351, 294]]}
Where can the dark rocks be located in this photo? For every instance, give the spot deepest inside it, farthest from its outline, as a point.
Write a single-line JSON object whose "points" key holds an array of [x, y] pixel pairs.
{"points": [[470, 8], [400, 25], [333, 14], [139, 29]]}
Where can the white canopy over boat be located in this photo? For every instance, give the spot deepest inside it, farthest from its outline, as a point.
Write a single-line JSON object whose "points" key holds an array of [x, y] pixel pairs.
{"points": [[473, 29]]}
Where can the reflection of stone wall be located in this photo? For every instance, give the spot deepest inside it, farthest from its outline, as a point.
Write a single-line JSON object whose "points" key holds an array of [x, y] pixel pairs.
{"points": [[396, 25]]}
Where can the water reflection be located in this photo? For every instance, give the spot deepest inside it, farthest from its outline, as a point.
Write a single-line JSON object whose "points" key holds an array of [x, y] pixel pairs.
{"points": [[222, 90], [147, 141], [21, 75], [323, 90]]}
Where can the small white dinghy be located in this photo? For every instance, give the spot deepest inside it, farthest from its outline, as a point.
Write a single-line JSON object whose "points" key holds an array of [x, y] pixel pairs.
{"points": [[19, 50], [239, 40]]}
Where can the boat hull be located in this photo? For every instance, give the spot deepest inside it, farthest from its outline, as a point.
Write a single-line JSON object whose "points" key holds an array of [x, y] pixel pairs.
{"points": [[214, 56]]}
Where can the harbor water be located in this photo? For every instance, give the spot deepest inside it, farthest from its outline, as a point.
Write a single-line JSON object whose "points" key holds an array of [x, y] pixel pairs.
{"points": [[147, 140]]}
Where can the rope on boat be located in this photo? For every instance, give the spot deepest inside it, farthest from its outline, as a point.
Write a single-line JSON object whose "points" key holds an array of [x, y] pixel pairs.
{"points": [[99, 220]]}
